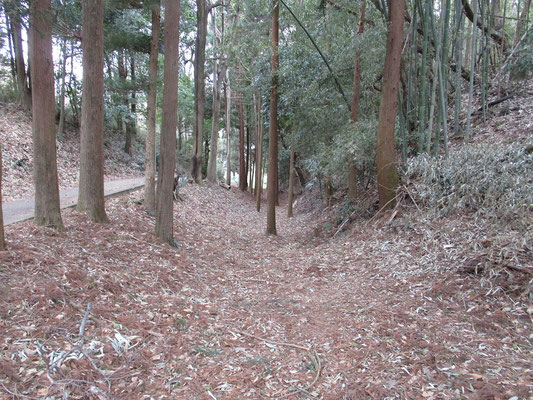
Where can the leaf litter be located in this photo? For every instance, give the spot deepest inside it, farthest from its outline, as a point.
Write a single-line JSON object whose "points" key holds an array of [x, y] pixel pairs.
{"points": [[231, 313], [408, 305]]}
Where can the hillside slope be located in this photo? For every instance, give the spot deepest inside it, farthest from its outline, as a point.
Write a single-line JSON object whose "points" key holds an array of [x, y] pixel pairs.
{"points": [[17, 156]]}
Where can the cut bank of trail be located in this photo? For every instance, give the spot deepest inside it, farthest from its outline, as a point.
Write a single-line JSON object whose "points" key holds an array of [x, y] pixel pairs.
{"points": [[234, 314]]}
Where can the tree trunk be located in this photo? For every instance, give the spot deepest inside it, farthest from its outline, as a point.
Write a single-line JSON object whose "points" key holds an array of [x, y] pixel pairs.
{"points": [[247, 162], [423, 77], [47, 211], [22, 79], [217, 79], [2, 239], [199, 90], [387, 175], [259, 153], [149, 172], [227, 97], [291, 184], [132, 121], [73, 96], [242, 161], [61, 128], [164, 223], [460, 24], [91, 193], [468, 43], [125, 116], [472, 73], [272, 181], [10, 46], [521, 21]]}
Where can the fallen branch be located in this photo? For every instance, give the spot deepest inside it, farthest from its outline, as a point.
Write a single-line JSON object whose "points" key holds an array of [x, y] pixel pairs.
{"points": [[16, 394], [495, 102], [143, 241], [318, 366], [296, 346], [84, 320], [395, 198], [411, 197], [345, 222]]}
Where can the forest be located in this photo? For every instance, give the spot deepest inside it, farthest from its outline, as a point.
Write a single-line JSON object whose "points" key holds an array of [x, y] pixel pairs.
{"points": [[250, 199]]}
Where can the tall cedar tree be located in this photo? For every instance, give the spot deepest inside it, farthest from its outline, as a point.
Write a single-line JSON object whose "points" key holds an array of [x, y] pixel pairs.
{"points": [[243, 182], [219, 70], [227, 100], [13, 12], [149, 185], [291, 184], [91, 194], [47, 211], [164, 222], [259, 153], [2, 240], [272, 180], [199, 89], [387, 178]]}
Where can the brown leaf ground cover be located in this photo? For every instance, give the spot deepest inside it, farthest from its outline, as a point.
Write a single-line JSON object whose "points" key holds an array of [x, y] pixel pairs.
{"points": [[379, 312]]}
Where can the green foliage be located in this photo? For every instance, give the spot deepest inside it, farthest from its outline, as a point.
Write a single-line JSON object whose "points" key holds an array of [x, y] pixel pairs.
{"points": [[126, 29], [521, 63]]}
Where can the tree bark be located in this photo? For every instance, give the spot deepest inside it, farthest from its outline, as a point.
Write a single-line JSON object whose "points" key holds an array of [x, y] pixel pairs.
{"points": [[22, 79], [352, 181], [248, 146], [2, 238], [272, 180], [125, 116], [520, 22], [91, 193], [460, 24], [199, 90], [242, 161], [227, 97], [149, 172], [132, 120], [47, 211], [259, 153], [387, 175], [10, 47], [291, 184], [472, 73], [164, 225], [217, 79], [496, 36], [61, 128]]}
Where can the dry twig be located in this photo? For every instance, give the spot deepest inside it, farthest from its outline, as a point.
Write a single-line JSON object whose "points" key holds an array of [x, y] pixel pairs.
{"points": [[84, 320], [296, 346]]}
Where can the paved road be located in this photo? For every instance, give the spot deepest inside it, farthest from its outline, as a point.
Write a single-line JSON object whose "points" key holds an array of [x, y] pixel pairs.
{"points": [[21, 210]]}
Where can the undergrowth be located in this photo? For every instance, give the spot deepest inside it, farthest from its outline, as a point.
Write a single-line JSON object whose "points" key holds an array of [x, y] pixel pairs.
{"points": [[494, 182]]}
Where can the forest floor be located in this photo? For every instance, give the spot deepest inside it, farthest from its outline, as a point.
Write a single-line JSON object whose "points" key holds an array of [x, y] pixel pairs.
{"points": [[105, 311], [401, 306]]}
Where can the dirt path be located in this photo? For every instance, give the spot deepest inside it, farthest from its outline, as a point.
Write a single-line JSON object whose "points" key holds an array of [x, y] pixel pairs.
{"points": [[233, 314], [21, 210]]}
